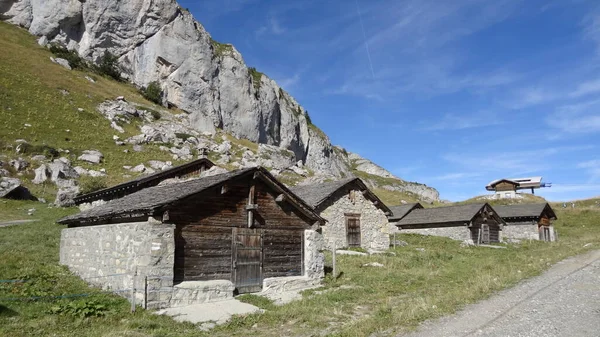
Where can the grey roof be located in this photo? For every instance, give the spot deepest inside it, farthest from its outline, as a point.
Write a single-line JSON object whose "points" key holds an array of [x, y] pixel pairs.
{"points": [[401, 211], [141, 180], [440, 215], [316, 194], [525, 211], [152, 198]]}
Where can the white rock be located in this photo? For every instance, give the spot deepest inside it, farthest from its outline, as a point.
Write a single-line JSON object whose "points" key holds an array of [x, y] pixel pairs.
{"points": [[117, 127], [373, 264], [139, 169], [42, 174], [92, 156], [90, 79], [62, 62]]}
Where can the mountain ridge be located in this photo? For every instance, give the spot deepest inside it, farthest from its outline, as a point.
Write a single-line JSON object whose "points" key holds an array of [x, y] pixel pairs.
{"points": [[154, 41]]}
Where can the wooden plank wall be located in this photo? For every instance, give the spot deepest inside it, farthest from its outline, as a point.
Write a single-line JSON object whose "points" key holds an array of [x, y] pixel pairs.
{"points": [[204, 232]]}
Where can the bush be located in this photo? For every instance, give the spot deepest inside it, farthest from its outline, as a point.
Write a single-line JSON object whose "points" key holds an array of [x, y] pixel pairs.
{"points": [[109, 66], [81, 309], [29, 149], [91, 184], [153, 93], [71, 56], [183, 136], [256, 77]]}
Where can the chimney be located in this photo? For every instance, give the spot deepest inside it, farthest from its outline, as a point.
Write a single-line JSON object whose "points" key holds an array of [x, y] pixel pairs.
{"points": [[202, 153]]}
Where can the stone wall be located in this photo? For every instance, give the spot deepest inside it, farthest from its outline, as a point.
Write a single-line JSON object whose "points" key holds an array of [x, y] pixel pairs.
{"points": [[373, 222], [118, 257], [520, 232], [456, 233]]}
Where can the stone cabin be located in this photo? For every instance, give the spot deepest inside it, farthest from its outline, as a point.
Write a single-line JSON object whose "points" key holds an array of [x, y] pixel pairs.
{"points": [[477, 222], [197, 241], [528, 221], [188, 170], [355, 215], [399, 212]]}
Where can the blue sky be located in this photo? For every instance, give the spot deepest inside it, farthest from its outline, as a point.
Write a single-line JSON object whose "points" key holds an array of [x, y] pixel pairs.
{"points": [[452, 94]]}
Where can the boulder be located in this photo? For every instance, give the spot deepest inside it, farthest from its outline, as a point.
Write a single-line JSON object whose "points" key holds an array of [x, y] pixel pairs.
{"points": [[139, 169], [91, 156], [61, 62], [11, 188], [42, 174], [65, 196], [19, 164], [61, 169], [38, 157], [213, 171]]}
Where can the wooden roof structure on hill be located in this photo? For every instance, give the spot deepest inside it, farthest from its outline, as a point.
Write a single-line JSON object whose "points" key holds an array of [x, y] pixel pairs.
{"points": [[158, 199], [401, 211], [525, 212], [316, 195], [145, 181], [448, 216]]}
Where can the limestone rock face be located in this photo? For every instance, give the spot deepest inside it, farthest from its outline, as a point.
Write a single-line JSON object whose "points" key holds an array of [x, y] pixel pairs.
{"points": [[157, 40]]}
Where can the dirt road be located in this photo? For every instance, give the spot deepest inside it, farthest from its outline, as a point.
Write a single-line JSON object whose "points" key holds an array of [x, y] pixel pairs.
{"points": [[564, 301]]}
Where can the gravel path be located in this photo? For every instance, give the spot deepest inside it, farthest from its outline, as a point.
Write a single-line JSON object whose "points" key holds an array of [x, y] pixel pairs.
{"points": [[564, 301]]}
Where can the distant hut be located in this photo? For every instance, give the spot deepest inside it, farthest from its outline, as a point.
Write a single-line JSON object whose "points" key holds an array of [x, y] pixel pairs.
{"points": [[192, 169], [400, 211], [477, 222], [199, 240], [355, 215], [528, 221]]}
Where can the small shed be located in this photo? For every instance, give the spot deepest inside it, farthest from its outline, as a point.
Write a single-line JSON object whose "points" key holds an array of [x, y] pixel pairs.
{"points": [[187, 170], [528, 221], [477, 222], [199, 240], [355, 216]]}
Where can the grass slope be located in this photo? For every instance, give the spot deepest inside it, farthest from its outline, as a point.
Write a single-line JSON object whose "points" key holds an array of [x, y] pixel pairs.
{"points": [[31, 92]]}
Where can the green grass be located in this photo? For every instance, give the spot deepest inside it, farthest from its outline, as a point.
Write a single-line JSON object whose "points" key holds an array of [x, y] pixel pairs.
{"points": [[30, 93], [256, 77], [411, 287], [221, 49]]}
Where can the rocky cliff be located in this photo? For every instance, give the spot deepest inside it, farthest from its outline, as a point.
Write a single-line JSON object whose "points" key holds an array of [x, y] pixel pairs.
{"points": [[158, 41]]}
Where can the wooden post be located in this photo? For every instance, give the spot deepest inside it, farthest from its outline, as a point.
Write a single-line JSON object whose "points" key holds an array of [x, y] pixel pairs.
{"points": [[146, 292], [479, 236], [333, 258], [133, 291]]}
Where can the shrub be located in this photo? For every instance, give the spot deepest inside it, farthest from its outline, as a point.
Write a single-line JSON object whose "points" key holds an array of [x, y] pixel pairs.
{"points": [[109, 66], [81, 309], [256, 77], [308, 120], [48, 151], [91, 184], [153, 93], [220, 48], [71, 56], [183, 136]]}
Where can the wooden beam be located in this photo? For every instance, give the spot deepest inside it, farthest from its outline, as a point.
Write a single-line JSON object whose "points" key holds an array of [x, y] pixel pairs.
{"points": [[251, 202]]}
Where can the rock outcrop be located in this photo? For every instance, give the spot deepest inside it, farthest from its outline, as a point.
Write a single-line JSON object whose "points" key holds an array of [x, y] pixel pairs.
{"points": [[157, 40]]}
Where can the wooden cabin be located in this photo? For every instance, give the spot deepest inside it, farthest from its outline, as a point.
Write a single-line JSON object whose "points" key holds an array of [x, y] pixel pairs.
{"points": [[355, 216], [236, 232], [477, 222], [188, 170], [528, 221], [504, 188]]}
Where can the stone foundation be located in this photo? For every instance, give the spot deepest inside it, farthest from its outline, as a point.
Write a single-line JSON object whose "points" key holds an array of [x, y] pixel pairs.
{"points": [[456, 233]]}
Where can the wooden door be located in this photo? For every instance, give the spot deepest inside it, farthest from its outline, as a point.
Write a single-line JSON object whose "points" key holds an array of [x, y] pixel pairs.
{"points": [[247, 260], [353, 231], [485, 233]]}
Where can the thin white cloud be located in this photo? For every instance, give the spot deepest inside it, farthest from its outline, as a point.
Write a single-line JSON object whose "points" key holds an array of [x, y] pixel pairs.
{"points": [[576, 118], [463, 121], [592, 167], [586, 88], [456, 176]]}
